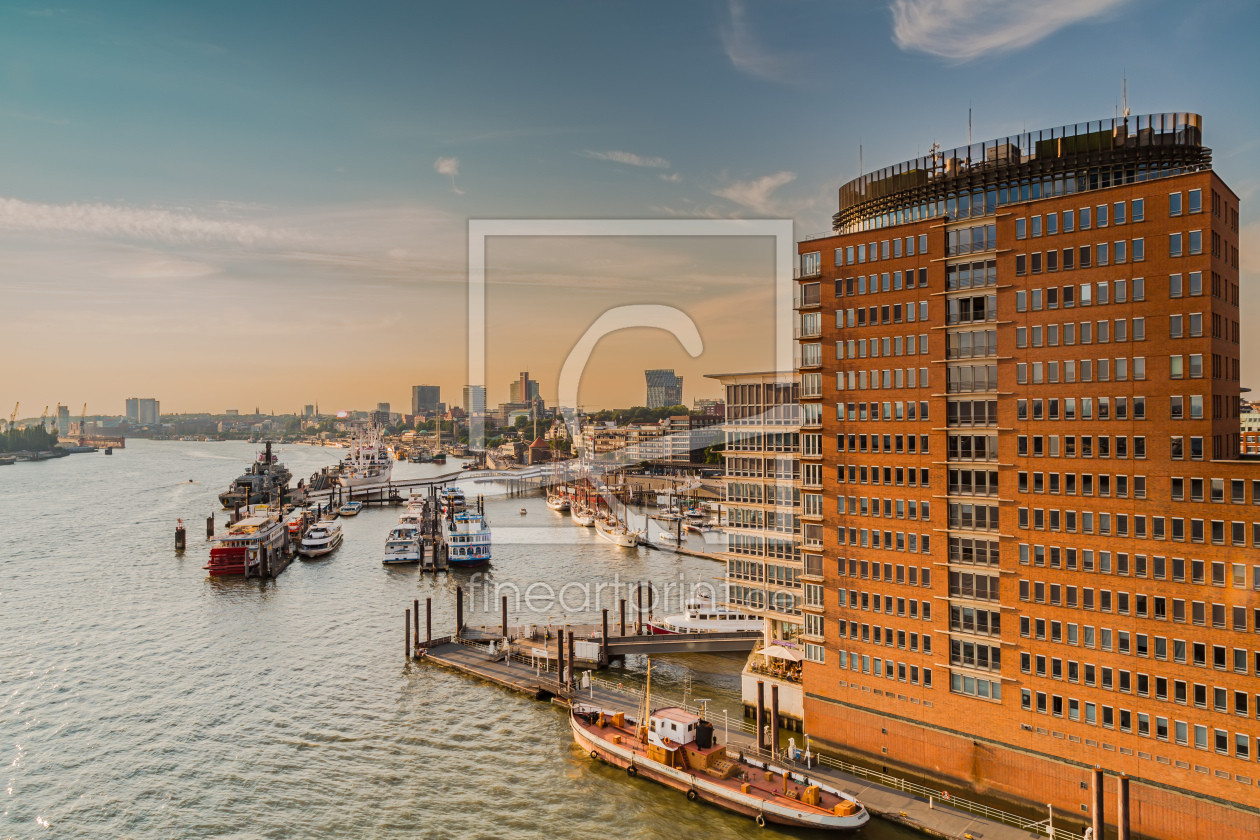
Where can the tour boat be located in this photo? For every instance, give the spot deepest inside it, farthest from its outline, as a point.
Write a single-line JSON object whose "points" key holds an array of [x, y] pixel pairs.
{"points": [[468, 540], [367, 464], [322, 539], [702, 616], [582, 515], [245, 544], [680, 750], [350, 508], [403, 545], [411, 517], [452, 500], [610, 529], [557, 501]]}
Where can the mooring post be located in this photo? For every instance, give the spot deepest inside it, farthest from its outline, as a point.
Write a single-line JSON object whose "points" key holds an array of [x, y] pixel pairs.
{"points": [[181, 538], [459, 611], [407, 632], [1097, 796], [603, 641], [428, 619], [638, 608], [210, 527], [761, 715], [774, 719], [504, 610], [415, 618], [560, 657], [623, 616], [1122, 808], [573, 666]]}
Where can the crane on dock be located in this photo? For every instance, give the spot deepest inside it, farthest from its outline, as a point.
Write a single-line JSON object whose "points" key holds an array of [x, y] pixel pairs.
{"points": [[13, 416], [83, 426], [43, 419]]}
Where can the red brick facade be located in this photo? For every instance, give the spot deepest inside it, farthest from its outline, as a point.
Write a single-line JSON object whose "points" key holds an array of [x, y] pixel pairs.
{"points": [[1124, 580]]}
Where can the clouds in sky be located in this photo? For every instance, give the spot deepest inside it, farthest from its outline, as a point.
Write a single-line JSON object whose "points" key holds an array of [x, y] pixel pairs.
{"points": [[449, 166], [962, 30], [628, 158], [150, 224], [757, 194], [747, 53]]}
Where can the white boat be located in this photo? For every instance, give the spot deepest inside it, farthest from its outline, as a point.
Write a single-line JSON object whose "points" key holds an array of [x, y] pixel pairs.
{"points": [[452, 501], [610, 529], [668, 536], [246, 543], [702, 616], [368, 463], [411, 517], [557, 501], [403, 545], [350, 508], [468, 540], [581, 515], [323, 538]]}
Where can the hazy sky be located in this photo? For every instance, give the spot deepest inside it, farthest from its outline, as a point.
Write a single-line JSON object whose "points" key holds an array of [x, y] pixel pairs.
{"points": [[229, 205]]}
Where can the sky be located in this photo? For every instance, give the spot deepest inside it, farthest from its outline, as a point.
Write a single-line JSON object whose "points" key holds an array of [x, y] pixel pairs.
{"points": [[239, 205]]}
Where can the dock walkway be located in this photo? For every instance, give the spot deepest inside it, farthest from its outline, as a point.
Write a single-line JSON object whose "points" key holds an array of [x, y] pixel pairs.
{"points": [[891, 799]]}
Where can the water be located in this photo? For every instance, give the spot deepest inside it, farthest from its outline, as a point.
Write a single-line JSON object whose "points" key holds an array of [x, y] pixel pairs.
{"points": [[141, 699]]}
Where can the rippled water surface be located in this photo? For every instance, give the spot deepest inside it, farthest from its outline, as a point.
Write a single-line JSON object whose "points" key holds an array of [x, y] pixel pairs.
{"points": [[141, 699]]}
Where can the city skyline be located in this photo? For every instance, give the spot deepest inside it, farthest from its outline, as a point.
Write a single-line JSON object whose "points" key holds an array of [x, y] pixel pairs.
{"points": [[127, 208]]}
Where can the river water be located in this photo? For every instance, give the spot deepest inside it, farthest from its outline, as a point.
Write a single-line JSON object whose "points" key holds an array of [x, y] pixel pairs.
{"points": [[141, 699]]}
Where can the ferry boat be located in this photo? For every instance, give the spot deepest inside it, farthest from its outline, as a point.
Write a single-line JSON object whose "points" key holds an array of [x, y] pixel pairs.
{"points": [[367, 464], [610, 528], [323, 538], [242, 548], [403, 545], [557, 501], [702, 616], [679, 749], [452, 500], [265, 477], [350, 508], [468, 540]]}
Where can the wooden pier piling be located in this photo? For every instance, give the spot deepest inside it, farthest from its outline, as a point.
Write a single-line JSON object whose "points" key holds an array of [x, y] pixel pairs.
{"points": [[459, 611], [603, 639], [761, 714], [504, 611], [210, 527], [623, 616], [560, 657], [573, 675], [415, 617], [428, 619], [407, 633], [774, 719]]}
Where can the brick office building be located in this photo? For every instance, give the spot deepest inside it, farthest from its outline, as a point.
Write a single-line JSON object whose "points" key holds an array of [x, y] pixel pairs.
{"points": [[1040, 536]]}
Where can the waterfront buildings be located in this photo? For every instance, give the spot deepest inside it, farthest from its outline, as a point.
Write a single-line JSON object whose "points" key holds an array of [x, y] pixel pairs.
{"points": [[677, 442], [1040, 537], [425, 399], [523, 389], [664, 389]]}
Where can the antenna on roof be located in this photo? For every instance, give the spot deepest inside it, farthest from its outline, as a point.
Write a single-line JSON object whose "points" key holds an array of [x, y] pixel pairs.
{"points": [[969, 124], [1125, 94], [861, 163]]}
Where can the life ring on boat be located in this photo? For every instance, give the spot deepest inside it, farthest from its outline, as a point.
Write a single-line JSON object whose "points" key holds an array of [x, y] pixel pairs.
{"points": [[594, 754], [632, 770], [761, 821], [692, 795]]}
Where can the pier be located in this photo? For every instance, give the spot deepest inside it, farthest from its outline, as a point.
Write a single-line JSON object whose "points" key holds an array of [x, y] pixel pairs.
{"points": [[934, 812]]}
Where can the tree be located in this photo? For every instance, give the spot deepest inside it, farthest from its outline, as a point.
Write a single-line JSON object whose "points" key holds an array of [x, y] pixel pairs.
{"points": [[30, 439]]}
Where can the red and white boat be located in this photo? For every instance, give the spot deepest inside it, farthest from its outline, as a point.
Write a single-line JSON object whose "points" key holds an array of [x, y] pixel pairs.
{"points": [[702, 616], [679, 749], [246, 543]]}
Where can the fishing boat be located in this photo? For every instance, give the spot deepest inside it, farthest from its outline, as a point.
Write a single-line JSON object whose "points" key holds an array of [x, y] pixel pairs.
{"points": [[246, 544], [680, 750], [468, 540], [700, 615], [402, 545], [610, 528], [323, 538], [368, 463], [350, 508], [557, 501], [264, 478]]}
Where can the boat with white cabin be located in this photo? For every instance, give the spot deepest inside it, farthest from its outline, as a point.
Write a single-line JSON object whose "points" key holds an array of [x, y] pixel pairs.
{"points": [[468, 540], [323, 538], [701, 615], [609, 528], [403, 545]]}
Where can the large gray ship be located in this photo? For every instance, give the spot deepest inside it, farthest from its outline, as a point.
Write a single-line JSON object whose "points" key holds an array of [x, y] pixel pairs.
{"points": [[266, 477]]}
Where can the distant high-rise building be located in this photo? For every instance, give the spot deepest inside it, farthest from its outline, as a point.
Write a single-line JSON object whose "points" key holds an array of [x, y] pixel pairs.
{"points": [[474, 400], [308, 411], [143, 411], [425, 398], [663, 388], [383, 407], [523, 390], [63, 420]]}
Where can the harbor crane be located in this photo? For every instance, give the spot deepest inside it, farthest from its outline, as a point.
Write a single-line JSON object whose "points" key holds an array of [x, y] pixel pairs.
{"points": [[83, 426], [13, 416], [43, 419]]}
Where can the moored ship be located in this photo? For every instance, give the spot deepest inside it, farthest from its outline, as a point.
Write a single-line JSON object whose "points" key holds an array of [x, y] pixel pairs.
{"points": [[468, 540], [251, 546], [265, 478], [702, 616], [323, 538], [368, 463]]}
